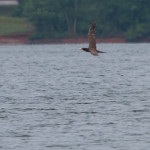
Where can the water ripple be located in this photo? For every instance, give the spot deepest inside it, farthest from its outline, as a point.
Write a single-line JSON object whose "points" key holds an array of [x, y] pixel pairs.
{"points": [[55, 97]]}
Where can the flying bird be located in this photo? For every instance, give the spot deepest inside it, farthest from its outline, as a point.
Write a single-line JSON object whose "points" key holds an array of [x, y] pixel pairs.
{"points": [[92, 41]]}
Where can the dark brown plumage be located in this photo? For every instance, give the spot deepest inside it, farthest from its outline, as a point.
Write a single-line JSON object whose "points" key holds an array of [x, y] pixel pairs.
{"points": [[92, 41]]}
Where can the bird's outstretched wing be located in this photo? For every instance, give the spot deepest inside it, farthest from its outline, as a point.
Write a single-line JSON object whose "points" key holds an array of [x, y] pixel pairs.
{"points": [[92, 40]]}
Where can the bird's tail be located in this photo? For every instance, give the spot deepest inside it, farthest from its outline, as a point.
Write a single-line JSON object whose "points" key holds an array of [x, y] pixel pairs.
{"points": [[100, 51]]}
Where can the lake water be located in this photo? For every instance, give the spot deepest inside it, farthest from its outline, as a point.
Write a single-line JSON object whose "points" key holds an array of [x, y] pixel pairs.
{"points": [[56, 97]]}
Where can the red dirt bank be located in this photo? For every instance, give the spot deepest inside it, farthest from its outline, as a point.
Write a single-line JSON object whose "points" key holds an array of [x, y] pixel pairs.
{"points": [[24, 39]]}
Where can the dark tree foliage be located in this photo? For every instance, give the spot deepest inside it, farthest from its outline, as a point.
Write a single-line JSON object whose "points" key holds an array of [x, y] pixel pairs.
{"points": [[63, 18]]}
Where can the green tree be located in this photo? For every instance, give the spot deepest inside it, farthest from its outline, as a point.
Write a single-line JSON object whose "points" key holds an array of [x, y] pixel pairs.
{"points": [[60, 18]]}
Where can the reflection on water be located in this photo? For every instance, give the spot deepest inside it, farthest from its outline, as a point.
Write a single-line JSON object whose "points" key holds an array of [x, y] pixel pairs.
{"points": [[57, 97]]}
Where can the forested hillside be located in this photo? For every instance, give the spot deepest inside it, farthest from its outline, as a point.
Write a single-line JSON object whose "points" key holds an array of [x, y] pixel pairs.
{"points": [[70, 18]]}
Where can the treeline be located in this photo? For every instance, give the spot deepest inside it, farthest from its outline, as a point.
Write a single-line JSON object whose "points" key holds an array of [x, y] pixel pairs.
{"points": [[69, 18]]}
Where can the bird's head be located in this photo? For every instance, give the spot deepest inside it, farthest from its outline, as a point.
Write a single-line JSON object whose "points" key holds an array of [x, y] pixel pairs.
{"points": [[80, 48]]}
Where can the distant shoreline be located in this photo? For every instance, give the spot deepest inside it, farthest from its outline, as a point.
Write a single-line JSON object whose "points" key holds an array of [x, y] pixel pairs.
{"points": [[17, 39]]}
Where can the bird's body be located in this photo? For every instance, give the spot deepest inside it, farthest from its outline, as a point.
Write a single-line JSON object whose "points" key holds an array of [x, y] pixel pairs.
{"points": [[87, 50], [92, 41]]}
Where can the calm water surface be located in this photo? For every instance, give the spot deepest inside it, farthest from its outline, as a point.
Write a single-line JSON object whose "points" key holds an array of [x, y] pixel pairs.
{"points": [[55, 97]]}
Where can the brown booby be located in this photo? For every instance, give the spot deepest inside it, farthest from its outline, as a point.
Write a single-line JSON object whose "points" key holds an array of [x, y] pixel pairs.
{"points": [[92, 41]]}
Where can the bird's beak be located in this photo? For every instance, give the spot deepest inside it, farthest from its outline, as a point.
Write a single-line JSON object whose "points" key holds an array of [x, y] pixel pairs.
{"points": [[80, 48]]}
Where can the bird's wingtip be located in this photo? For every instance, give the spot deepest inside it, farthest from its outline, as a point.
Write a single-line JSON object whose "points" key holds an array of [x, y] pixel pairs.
{"points": [[94, 22]]}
